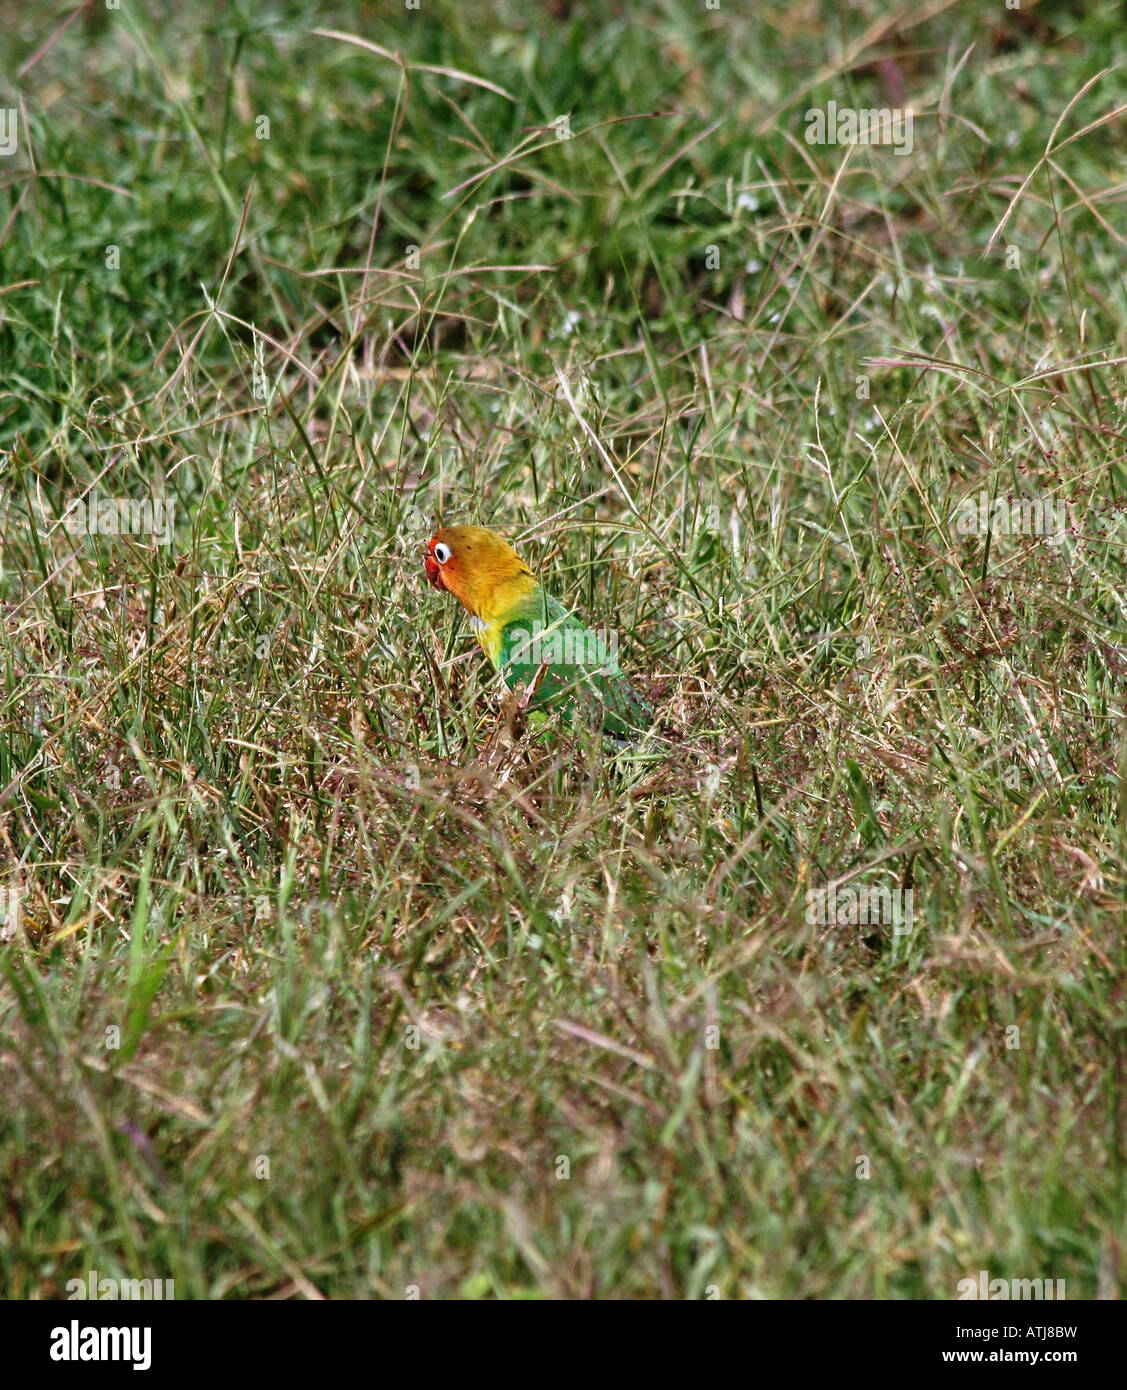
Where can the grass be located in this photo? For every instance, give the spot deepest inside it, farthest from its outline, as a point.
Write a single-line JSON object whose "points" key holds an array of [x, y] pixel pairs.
{"points": [[324, 980]]}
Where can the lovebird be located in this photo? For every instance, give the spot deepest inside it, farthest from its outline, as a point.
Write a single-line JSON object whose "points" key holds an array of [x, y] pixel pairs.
{"points": [[530, 637]]}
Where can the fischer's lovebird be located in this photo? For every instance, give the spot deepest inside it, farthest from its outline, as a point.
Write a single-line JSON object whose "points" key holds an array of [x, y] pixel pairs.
{"points": [[528, 636]]}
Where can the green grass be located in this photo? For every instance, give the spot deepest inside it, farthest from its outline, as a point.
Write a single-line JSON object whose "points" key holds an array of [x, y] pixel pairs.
{"points": [[511, 1014]]}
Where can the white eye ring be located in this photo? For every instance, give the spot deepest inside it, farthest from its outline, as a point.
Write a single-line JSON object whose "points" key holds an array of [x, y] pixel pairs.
{"points": [[442, 552]]}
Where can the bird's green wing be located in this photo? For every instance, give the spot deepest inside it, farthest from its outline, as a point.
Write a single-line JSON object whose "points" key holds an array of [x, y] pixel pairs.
{"points": [[580, 667]]}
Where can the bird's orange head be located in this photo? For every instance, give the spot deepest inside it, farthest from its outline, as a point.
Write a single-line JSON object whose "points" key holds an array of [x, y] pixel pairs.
{"points": [[479, 568]]}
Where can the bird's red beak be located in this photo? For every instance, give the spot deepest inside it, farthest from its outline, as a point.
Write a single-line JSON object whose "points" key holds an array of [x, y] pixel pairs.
{"points": [[434, 572]]}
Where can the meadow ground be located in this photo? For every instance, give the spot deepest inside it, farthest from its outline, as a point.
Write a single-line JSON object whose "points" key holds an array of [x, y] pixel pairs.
{"points": [[319, 975]]}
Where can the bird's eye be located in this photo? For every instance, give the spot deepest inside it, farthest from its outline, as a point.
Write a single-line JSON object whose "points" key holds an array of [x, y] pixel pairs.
{"points": [[442, 552]]}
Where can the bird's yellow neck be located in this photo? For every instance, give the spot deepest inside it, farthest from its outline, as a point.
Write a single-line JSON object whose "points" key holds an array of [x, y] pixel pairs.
{"points": [[493, 608]]}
